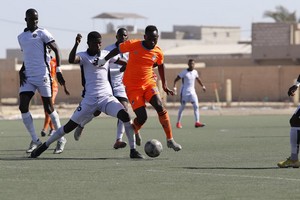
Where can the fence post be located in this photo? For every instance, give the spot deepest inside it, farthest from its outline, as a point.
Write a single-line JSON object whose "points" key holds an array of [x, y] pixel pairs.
{"points": [[228, 92]]}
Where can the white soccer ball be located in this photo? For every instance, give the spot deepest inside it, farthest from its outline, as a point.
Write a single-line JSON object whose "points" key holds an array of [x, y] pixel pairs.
{"points": [[153, 148]]}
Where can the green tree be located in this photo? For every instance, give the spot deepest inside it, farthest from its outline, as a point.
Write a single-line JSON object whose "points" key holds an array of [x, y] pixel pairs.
{"points": [[281, 14]]}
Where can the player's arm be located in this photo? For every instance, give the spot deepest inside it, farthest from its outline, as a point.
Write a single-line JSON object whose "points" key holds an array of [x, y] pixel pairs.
{"points": [[73, 59], [111, 54], [175, 81], [22, 75], [59, 75], [202, 85], [293, 89], [161, 71]]}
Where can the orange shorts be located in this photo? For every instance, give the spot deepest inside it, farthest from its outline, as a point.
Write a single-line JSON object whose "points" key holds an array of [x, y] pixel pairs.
{"points": [[138, 96]]}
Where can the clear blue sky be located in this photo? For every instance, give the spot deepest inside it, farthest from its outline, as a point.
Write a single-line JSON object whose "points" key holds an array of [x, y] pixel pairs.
{"points": [[65, 18]]}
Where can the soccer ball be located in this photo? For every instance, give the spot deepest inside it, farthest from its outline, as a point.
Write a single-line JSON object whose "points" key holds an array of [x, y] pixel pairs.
{"points": [[153, 148]]}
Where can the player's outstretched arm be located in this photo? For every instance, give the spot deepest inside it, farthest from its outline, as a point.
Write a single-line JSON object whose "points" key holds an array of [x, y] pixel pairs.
{"points": [[112, 53], [73, 59]]}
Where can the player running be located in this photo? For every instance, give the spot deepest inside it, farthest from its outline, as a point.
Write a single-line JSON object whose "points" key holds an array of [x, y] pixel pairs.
{"points": [[139, 82], [293, 160], [188, 92]]}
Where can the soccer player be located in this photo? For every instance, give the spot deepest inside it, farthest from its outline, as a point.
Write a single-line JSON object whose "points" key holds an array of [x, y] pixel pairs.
{"points": [[188, 92], [35, 75], [115, 74], [54, 85], [293, 160], [139, 81], [97, 94]]}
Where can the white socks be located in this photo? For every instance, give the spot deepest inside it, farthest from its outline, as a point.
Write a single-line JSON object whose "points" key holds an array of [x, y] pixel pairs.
{"points": [[28, 122], [294, 141], [130, 134], [120, 130]]}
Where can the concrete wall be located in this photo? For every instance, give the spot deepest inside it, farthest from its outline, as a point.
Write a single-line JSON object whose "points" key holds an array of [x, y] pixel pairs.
{"points": [[249, 83]]}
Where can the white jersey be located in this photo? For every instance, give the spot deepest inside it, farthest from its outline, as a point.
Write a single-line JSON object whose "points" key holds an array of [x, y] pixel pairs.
{"points": [[188, 81], [94, 78], [35, 54], [115, 76]]}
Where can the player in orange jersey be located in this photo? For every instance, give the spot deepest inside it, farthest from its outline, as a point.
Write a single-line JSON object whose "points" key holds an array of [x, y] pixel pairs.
{"points": [[139, 82]]}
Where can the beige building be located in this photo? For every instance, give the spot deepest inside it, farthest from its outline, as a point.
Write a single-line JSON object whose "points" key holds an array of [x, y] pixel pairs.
{"points": [[260, 72]]}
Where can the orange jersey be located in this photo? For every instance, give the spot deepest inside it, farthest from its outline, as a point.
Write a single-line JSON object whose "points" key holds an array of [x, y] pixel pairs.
{"points": [[53, 72], [139, 69]]}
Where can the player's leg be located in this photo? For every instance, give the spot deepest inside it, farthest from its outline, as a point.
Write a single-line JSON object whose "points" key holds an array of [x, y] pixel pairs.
{"points": [[79, 129], [181, 108], [137, 100], [195, 103], [59, 133], [47, 122], [47, 117], [115, 109], [120, 126], [164, 120], [49, 108], [81, 112], [293, 160], [24, 99]]}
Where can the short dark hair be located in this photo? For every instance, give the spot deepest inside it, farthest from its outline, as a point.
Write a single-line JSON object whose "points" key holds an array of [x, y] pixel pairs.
{"points": [[150, 29], [191, 60], [93, 35], [30, 11], [121, 30]]}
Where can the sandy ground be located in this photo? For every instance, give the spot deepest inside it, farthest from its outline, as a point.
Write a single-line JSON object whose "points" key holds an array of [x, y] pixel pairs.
{"points": [[241, 108]]}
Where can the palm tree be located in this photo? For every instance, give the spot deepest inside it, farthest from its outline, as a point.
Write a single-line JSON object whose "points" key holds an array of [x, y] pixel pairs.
{"points": [[282, 15]]}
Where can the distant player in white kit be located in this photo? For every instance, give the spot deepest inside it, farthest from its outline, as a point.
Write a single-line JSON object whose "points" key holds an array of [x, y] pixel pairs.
{"points": [[97, 94], [35, 75], [188, 92]]}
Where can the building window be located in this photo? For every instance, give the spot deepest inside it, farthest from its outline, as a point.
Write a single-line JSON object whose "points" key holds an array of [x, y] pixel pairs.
{"points": [[215, 34], [227, 34]]}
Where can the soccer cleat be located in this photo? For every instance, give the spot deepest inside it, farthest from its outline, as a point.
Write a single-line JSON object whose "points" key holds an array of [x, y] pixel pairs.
{"points": [[172, 144], [119, 144], [289, 163], [38, 151], [178, 125], [199, 124], [135, 154], [43, 133], [60, 146], [51, 131], [138, 139], [78, 132], [33, 146]]}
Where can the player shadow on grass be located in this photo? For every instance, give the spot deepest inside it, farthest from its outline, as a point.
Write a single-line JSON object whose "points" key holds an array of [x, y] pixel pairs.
{"points": [[238, 168]]}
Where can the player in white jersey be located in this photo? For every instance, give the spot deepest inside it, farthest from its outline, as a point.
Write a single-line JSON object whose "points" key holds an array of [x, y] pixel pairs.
{"points": [[293, 159], [188, 92], [35, 75], [97, 94], [115, 75]]}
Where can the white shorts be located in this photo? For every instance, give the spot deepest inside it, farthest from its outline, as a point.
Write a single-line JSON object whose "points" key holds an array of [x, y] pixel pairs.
{"points": [[40, 83], [119, 91], [193, 98], [108, 105]]}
